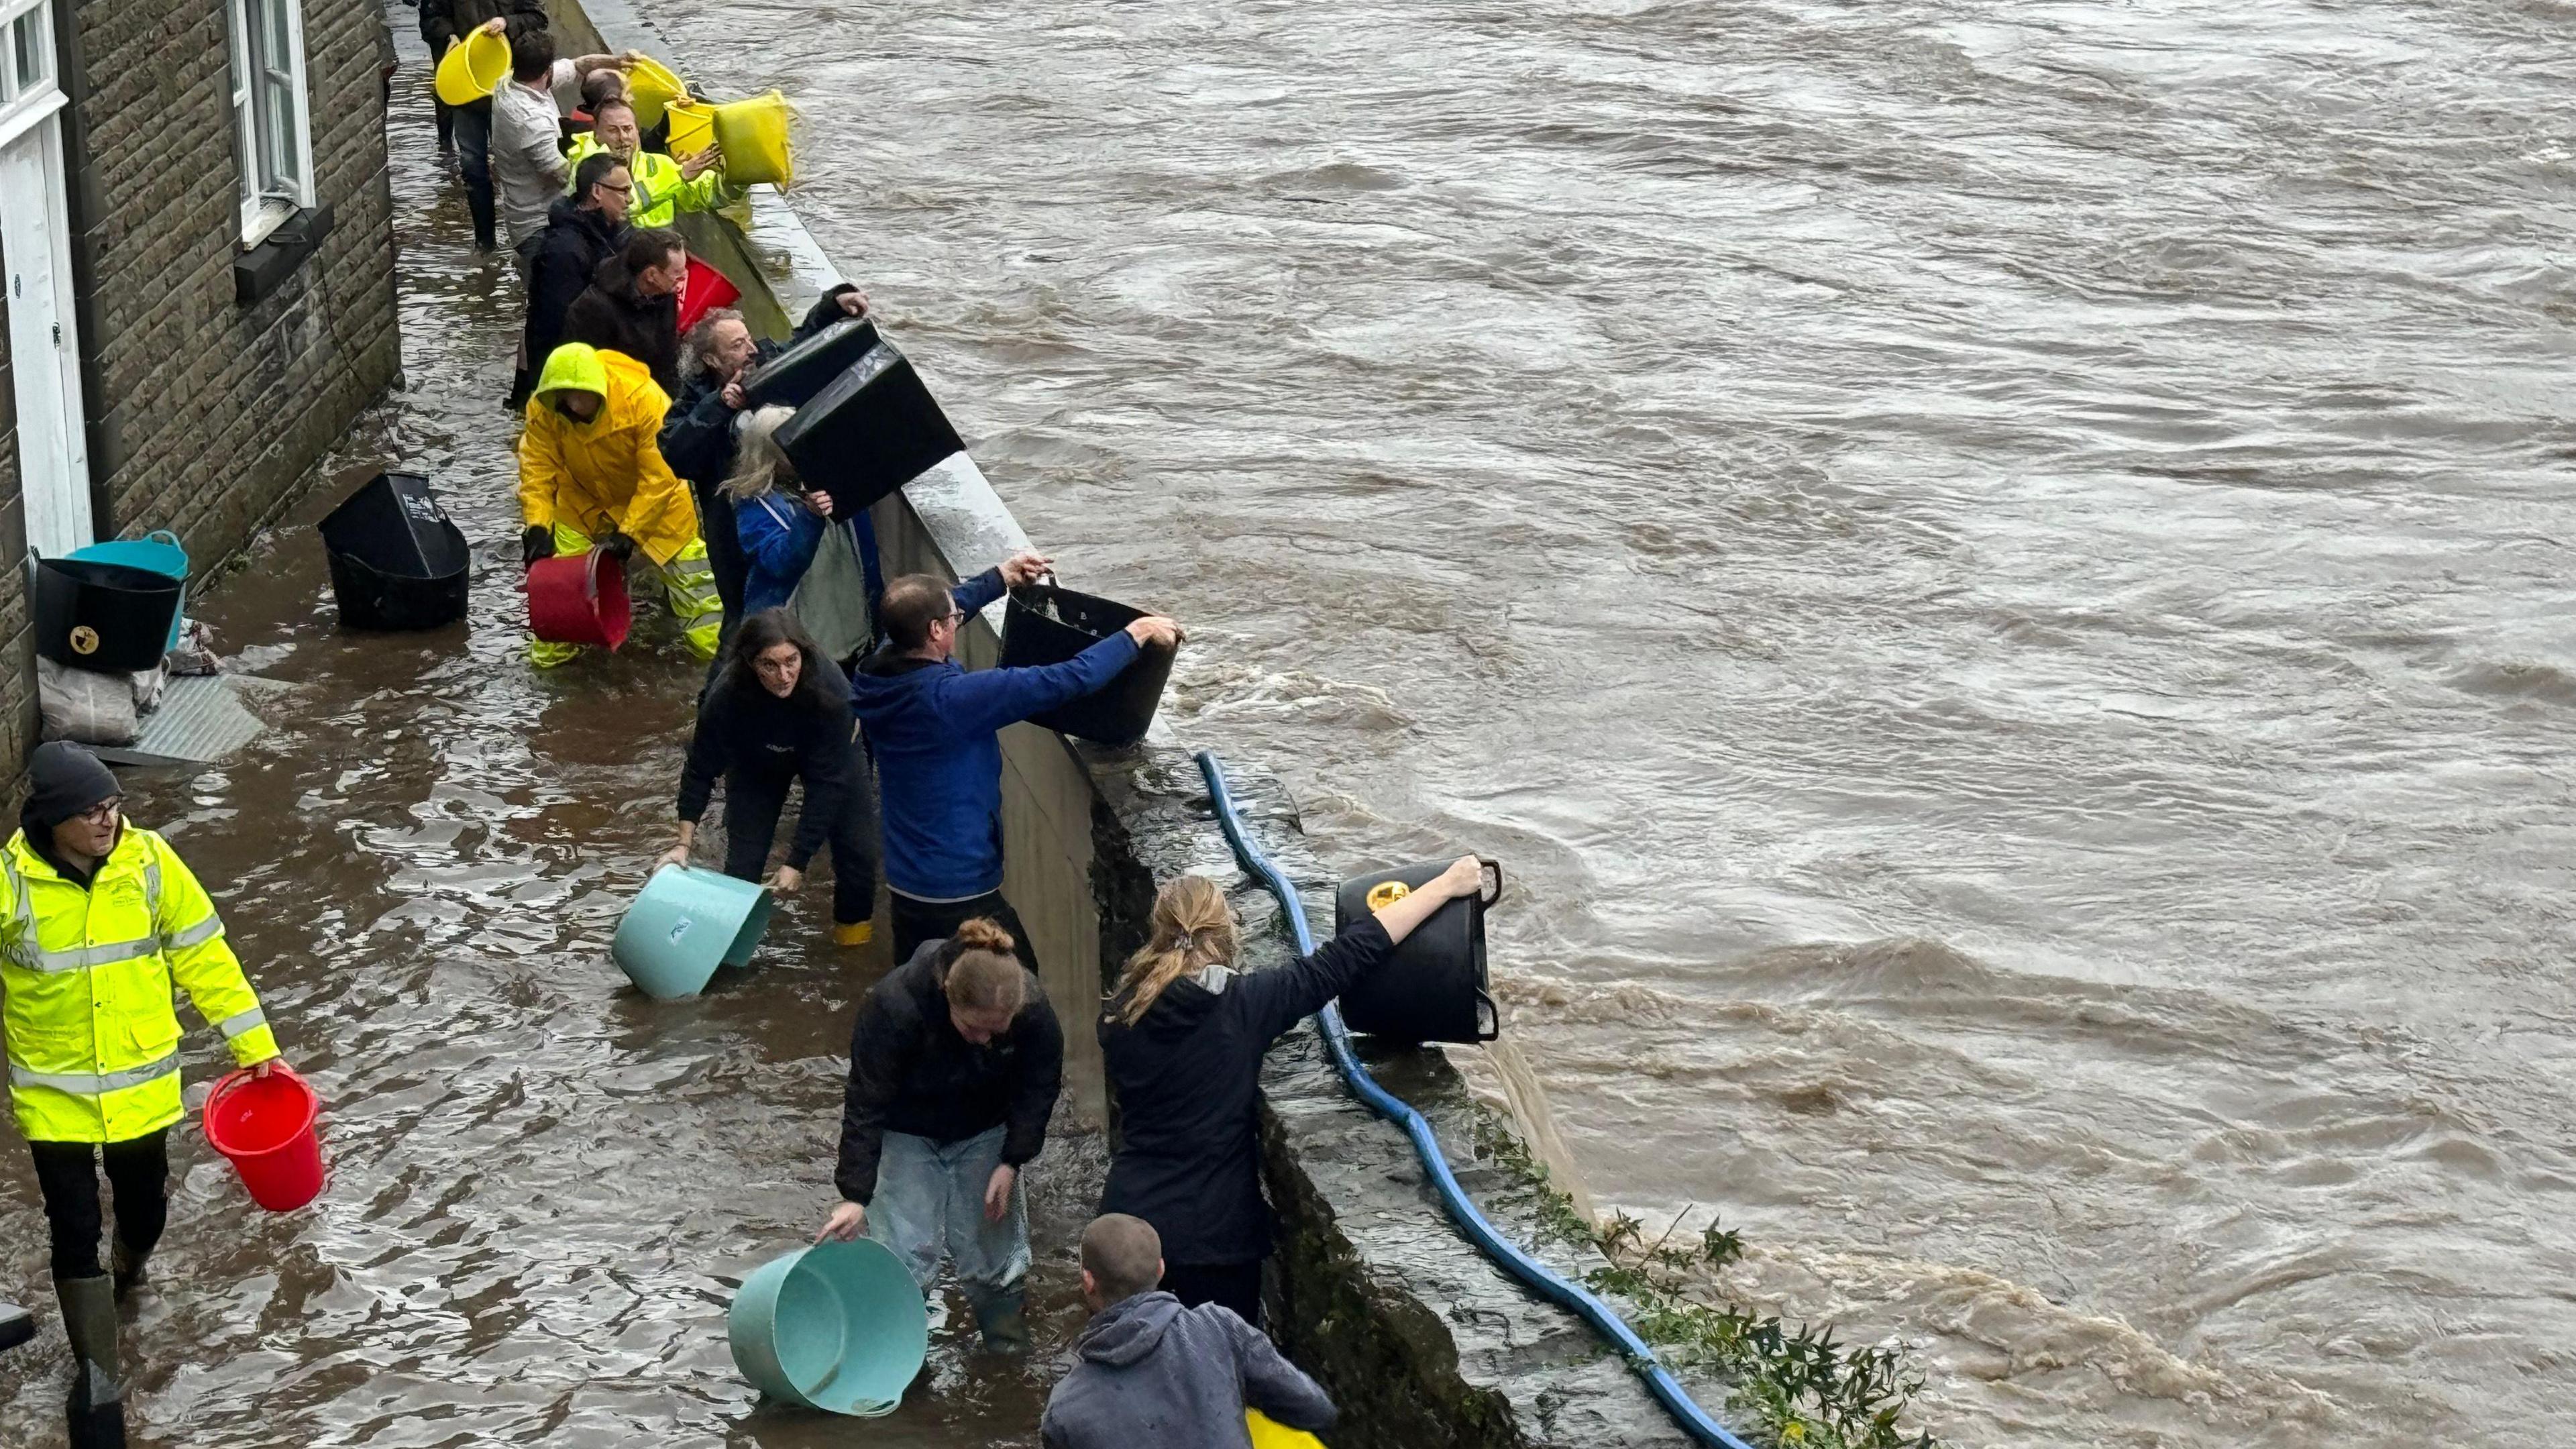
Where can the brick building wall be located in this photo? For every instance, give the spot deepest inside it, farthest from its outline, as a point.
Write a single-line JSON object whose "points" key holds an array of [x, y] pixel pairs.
{"points": [[204, 412], [17, 649]]}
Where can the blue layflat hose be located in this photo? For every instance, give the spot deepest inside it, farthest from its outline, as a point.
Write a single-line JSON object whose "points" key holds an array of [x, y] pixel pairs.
{"points": [[1668, 1392]]}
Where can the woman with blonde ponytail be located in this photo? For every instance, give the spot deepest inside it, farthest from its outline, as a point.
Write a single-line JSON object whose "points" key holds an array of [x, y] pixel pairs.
{"points": [[955, 1062], [1182, 1037]]}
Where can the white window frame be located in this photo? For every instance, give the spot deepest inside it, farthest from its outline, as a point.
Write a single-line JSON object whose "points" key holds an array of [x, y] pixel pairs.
{"points": [[271, 114], [25, 105]]}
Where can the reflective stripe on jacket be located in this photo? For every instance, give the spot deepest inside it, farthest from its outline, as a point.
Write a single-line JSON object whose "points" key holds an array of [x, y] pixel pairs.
{"points": [[660, 193], [92, 1030]]}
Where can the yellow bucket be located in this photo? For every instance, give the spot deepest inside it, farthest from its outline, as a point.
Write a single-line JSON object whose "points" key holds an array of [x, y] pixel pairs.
{"points": [[753, 134], [693, 128], [1269, 1433], [652, 87], [473, 68]]}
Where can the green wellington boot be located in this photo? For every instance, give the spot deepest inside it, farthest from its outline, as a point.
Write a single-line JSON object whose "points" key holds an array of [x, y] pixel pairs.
{"points": [[98, 1387], [1004, 1324]]}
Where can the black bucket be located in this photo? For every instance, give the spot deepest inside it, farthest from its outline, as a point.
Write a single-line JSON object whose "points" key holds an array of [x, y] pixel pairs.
{"points": [[792, 378], [397, 561], [104, 616], [1433, 987], [870, 431], [1045, 624]]}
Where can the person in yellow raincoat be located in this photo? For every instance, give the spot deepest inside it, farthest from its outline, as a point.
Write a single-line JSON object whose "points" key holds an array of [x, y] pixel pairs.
{"points": [[98, 917], [591, 471], [663, 187]]}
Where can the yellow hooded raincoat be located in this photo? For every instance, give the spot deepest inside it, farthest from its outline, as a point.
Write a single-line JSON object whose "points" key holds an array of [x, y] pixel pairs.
{"points": [[607, 473]]}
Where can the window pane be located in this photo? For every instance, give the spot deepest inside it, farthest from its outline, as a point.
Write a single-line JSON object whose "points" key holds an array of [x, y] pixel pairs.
{"points": [[280, 43], [35, 56]]}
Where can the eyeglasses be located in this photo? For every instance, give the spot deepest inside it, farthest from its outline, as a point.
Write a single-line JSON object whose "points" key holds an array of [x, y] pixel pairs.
{"points": [[102, 813], [613, 186], [956, 619]]}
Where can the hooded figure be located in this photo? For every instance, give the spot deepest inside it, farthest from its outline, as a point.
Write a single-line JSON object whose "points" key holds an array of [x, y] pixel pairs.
{"points": [[591, 471], [99, 919], [1152, 1371]]}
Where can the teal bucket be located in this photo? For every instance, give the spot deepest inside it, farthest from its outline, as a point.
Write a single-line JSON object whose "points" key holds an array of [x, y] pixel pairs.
{"points": [[685, 924], [838, 1327], [157, 553]]}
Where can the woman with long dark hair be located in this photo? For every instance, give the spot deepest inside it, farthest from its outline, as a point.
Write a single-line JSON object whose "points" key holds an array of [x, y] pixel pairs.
{"points": [[779, 712]]}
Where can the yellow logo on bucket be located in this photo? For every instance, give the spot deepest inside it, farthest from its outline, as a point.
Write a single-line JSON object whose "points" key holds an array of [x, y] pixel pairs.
{"points": [[1386, 893], [84, 640]]}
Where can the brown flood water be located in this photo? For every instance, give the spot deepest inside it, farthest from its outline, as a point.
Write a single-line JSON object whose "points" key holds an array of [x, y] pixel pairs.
{"points": [[544, 1187]]}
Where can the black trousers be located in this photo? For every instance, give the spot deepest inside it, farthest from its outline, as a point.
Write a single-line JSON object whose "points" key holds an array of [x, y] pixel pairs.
{"points": [[752, 808], [67, 1175], [919, 921], [1235, 1285]]}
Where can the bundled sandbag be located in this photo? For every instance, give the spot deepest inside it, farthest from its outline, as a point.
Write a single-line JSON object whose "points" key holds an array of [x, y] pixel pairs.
{"points": [[86, 706]]}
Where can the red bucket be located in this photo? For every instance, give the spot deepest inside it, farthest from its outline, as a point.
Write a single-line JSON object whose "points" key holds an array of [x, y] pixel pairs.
{"points": [[704, 290], [265, 1126], [579, 600]]}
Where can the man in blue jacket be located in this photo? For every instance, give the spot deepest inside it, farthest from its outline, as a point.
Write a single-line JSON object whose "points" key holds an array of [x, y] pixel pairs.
{"points": [[935, 731]]}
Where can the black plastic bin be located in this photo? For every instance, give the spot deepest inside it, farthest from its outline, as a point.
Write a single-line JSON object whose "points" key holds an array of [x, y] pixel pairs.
{"points": [[1434, 987], [104, 616], [1045, 624], [397, 561], [792, 378], [873, 429]]}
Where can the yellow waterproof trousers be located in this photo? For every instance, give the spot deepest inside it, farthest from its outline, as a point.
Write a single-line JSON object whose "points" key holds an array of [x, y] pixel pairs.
{"points": [[688, 584]]}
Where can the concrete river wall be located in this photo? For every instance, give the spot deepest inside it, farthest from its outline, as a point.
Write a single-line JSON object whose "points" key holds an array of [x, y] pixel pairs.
{"points": [[1421, 1340]]}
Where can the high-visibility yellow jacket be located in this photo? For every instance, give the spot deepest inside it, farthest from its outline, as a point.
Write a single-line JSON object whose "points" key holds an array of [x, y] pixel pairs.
{"points": [[660, 193], [608, 472], [93, 1034]]}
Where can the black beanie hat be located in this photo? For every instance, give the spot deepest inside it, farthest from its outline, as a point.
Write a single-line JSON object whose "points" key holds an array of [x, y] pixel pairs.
{"points": [[63, 780]]}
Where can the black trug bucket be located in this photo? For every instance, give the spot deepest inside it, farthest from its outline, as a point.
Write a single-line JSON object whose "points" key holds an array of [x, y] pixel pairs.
{"points": [[873, 429], [397, 561], [104, 616], [1046, 624], [793, 377], [1433, 987]]}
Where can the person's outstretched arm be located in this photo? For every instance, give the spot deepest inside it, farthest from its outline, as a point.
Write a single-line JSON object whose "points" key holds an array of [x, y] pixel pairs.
{"points": [[1274, 1385], [1278, 1000], [987, 699]]}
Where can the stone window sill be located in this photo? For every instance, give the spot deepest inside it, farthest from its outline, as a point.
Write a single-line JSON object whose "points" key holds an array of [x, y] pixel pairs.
{"points": [[264, 268]]}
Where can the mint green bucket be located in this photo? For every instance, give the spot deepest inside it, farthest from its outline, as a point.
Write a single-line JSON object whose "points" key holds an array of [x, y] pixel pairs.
{"points": [[838, 1327], [685, 924]]}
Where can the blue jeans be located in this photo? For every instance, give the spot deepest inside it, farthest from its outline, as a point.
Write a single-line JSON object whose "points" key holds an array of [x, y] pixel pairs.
{"points": [[474, 157], [930, 1203]]}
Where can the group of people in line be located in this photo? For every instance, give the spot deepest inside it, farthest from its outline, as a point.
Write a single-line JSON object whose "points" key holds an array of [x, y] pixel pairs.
{"points": [[956, 1055]]}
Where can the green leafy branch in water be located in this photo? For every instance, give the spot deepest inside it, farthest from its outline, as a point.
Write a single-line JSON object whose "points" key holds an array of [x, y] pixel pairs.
{"points": [[1805, 1390]]}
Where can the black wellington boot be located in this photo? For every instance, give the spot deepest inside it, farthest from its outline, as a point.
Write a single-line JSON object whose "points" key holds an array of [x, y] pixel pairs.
{"points": [[98, 1385]]}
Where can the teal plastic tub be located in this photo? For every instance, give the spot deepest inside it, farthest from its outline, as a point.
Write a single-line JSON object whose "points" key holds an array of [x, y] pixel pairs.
{"points": [[685, 924], [156, 553], [838, 1327]]}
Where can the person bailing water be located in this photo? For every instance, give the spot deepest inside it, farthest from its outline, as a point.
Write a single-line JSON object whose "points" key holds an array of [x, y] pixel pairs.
{"points": [[777, 713], [99, 919]]}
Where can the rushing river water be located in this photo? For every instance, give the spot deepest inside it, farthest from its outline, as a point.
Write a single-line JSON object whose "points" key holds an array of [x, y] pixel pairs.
{"points": [[1997, 572]]}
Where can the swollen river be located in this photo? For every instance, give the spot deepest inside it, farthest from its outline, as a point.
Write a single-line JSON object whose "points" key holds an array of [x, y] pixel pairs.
{"points": [[1996, 572]]}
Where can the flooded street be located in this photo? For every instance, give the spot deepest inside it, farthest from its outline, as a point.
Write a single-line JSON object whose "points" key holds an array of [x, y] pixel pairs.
{"points": [[1997, 572], [543, 1186]]}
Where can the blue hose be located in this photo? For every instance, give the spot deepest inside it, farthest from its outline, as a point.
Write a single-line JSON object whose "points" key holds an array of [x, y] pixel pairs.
{"points": [[1693, 1419]]}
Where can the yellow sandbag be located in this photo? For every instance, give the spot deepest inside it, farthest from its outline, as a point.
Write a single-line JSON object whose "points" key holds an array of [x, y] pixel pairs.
{"points": [[652, 87], [753, 134], [473, 68], [693, 128], [1269, 1433]]}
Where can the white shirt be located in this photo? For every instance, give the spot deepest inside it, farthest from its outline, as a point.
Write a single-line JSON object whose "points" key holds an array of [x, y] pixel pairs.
{"points": [[528, 170]]}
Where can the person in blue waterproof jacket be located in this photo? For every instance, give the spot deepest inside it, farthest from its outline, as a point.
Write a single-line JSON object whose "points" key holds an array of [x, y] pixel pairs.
{"points": [[779, 523], [717, 358], [935, 730]]}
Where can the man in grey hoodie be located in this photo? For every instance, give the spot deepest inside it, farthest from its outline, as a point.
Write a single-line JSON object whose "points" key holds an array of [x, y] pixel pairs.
{"points": [[1154, 1373]]}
